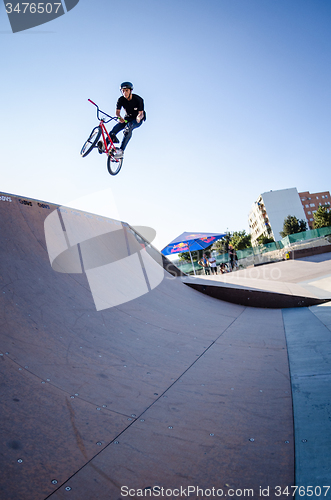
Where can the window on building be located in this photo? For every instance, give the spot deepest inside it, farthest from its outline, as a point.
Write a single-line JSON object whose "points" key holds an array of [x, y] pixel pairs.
{"points": [[316, 197], [311, 219], [312, 204], [309, 213], [326, 196], [307, 206]]}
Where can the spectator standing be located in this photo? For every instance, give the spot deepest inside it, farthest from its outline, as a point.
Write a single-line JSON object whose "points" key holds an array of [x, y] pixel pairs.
{"points": [[213, 265], [231, 256], [235, 259], [204, 262]]}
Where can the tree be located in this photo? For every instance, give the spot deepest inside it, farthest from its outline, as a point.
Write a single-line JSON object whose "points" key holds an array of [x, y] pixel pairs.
{"points": [[221, 246], [264, 240], [185, 256], [322, 217], [196, 254], [293, 225], [240, 240]]}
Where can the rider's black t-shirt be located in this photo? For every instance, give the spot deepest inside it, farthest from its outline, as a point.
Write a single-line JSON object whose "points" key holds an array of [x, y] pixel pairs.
{"points": [[131, 107]]}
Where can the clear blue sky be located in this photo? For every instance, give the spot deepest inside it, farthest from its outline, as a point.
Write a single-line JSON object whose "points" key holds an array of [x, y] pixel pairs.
{"points": [[238, 102]]}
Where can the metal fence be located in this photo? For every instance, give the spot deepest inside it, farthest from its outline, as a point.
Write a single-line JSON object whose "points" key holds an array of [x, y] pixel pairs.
{"points": [[262, 253]]}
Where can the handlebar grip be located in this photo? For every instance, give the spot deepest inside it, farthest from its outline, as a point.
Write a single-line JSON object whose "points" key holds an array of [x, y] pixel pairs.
{"points": [[92, 102]]}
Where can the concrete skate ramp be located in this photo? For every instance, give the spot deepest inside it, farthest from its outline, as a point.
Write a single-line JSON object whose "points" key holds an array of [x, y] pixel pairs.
{"points": [[286, 284], [117, 378]]}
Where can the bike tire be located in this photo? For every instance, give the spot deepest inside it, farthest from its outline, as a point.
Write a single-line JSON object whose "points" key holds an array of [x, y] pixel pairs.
{"points": [[91, 141], [114, 165]]}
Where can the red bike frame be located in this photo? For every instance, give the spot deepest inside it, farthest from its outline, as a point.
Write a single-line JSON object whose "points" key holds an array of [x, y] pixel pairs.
{"points": [[104, 132]]}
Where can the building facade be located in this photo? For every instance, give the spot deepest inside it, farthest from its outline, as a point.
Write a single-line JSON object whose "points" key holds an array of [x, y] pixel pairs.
{"points": [[311, 202], [269, 211]]}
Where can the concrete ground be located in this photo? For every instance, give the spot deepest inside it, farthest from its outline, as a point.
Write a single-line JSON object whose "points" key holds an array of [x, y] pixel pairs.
{"points": [[308, 338]]}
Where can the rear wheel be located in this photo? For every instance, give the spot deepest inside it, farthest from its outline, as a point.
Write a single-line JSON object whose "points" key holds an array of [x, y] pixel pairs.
{"points": [[91, 141], [114, 165]]}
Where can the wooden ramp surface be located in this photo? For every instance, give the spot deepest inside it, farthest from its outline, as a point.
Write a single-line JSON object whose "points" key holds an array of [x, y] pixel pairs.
{"points": [[172, 389]]}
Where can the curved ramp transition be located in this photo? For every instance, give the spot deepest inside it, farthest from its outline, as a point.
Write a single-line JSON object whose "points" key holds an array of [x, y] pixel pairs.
{"points": [[116, 375]]}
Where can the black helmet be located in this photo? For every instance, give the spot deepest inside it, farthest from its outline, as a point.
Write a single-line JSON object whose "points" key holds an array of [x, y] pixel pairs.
{"points": [[126, 85]]}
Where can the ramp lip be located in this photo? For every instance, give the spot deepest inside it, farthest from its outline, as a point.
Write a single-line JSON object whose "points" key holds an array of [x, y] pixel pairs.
{"points": [[253, 297]]}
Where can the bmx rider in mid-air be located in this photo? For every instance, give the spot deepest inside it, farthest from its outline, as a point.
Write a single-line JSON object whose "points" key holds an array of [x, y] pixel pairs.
{"points": [[135, 115]]}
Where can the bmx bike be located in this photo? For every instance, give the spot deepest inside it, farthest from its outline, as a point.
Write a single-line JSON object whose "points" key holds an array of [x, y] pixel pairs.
{"points": [[114, 164]]}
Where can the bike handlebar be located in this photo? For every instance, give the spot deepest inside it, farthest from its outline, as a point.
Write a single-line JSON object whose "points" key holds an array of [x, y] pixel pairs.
{"points": [[99, 111]]}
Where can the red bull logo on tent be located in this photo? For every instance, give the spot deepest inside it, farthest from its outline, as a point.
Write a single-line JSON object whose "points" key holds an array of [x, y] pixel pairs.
{"points": [[188, 242]]}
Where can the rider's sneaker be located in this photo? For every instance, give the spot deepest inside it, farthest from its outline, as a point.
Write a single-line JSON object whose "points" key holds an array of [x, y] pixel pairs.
{"points": [[101, 147], [114, 138], [119, 153]]}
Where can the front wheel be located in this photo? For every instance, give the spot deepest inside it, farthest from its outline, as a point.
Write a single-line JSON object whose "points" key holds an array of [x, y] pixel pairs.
{"points": [[114, 165], [91, 141]]}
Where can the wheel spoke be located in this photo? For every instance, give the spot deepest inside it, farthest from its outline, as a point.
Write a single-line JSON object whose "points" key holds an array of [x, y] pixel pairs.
{"points": [[91, 141], [114, 165]]}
